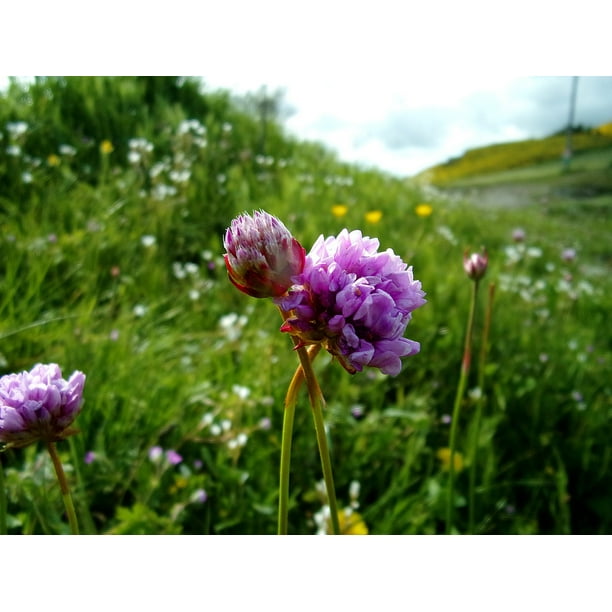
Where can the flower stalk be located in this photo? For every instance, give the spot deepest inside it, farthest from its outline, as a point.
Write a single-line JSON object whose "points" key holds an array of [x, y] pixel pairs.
{"points": [[482, 360], [317, 402], [63, 483], [3, 504]]}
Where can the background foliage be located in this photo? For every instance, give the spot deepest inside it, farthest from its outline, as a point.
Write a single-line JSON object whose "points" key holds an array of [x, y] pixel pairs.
{"points": [[114, 195]]}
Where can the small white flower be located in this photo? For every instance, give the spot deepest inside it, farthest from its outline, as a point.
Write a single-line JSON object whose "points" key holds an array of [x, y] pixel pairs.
{"points": [[17, 128], [534, 252], [178, 270], [207, 419], [241, 391], [139, 310], [241, 439], [191, 268], [475, 393], [148, 240], [68, 150]]}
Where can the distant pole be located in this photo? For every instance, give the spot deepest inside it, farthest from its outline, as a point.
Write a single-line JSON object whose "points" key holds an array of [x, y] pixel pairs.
{"points": [[567, 154]]}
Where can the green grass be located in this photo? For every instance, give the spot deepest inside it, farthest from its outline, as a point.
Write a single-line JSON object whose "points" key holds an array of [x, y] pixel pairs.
{"points": [[176, 357], [592, 165]]}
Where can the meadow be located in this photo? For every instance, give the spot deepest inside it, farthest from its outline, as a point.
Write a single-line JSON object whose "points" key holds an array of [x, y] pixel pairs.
{"points": [[114, 197]]}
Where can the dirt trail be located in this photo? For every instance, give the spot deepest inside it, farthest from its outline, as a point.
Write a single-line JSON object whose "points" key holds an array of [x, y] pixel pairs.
{"points": [[507, 196]]}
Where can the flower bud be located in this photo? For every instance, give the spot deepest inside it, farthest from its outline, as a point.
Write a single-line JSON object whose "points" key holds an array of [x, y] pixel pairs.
{"points": [[262, 256], [475, 265]]}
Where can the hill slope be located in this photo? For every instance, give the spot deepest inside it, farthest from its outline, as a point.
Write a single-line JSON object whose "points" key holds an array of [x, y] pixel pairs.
{"points": [[546, 154]]}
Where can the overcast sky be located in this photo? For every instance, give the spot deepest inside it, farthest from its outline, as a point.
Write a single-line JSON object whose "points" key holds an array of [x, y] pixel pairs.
{"points": [[384, 83], [404, 126]]}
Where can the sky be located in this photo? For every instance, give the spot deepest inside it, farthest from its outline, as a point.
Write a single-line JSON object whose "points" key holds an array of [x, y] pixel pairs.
{"points": [[382, 83], [404, 127]]}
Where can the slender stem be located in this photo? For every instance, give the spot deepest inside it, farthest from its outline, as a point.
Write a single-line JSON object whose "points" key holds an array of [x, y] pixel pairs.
{"points": [[285, 461], [465, 368], [63, 483], [482, 360], [3, 504], [316, 403], [286, 439]]}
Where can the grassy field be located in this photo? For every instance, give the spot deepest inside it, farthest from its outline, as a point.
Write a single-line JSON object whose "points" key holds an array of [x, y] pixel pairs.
{"points": [[114, 196]]}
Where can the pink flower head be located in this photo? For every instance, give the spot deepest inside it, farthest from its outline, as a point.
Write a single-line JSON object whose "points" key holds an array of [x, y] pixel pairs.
{"points": [[568, 255], [38, 405], [356, 301], [173, 457], [262, 255], [475, 265]]}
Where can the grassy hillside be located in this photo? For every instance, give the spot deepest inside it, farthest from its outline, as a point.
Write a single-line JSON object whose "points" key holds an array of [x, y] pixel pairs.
{"points": [[525, 159], [114, 196]]}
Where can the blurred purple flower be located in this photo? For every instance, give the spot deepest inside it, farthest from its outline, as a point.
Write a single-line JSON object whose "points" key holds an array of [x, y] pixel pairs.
{"points": [[568, 255], [173, 457], [518, 234], [90, 457], [357, 412], [262, 255], [199, 496], [39, 405], [356, 301], [265, 423], [155, 453]]}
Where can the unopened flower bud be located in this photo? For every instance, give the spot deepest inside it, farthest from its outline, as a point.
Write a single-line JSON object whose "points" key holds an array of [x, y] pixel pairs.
{"points": [[475, 265], [262, 256]]}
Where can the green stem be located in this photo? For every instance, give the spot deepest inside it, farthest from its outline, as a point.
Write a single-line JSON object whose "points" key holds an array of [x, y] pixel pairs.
{"points": [[285, 461], [479, 406], [3, 504], [286, 439], [63, 483], [465, 368], [76, 453], [316, 403]]}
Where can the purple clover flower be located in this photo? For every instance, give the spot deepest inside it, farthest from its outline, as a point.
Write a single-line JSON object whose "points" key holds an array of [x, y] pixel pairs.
{"points": [[354, 300], [173, 457], [39, 405], [262, 255], [90, 457]]}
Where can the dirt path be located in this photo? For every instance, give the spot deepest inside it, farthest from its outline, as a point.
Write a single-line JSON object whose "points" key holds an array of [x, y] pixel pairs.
{"points": [[507, 196]]}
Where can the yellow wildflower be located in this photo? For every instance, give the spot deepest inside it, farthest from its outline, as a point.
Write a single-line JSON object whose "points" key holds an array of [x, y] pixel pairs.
{"points": [[351, 523], [53, 160], [444, 455], [106, 147], [339, 210], [374, 216], [423, 210]]}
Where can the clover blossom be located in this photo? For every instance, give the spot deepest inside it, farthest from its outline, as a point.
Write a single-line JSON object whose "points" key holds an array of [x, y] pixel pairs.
{"points": [[354, 300], [38, 405], [262, 255]]}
